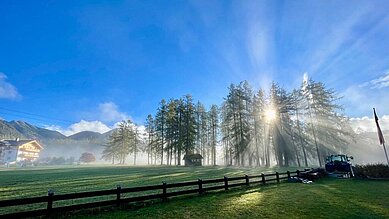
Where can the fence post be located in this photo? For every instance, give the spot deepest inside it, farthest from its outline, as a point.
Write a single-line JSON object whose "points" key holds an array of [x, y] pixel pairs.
{"points": [[118, 188], [225, 183], [164, 197], [298, 173], [50, 194], [288, 172], [278, 177], [200, 186], [247, 180], [263, 179]]}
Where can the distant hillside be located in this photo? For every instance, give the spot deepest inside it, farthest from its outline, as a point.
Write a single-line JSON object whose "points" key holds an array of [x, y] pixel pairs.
{"points": [[7, 131], [55, 143], [24, 130], [105, 135], [30, 131], [85, 135]]}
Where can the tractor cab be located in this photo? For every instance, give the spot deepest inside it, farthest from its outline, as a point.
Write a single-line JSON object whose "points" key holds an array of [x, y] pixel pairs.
{"points": [[339, 166]]}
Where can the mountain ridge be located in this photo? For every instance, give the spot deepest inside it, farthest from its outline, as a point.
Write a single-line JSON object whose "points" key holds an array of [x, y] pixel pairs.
{"points": [[54, 142], [85, 135], [21, 129]]}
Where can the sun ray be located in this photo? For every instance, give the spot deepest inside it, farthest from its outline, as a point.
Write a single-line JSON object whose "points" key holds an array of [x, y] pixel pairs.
{"points": [[270, 114]]}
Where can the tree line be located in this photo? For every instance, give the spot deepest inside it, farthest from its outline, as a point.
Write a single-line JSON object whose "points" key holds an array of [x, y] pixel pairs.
{"points": [[124, 140], [181, 127], [296, 128], [249, 128]]}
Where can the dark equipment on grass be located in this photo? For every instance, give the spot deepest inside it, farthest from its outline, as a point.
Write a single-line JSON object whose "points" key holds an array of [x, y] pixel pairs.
{"points": [[309, 175], [313, 174], [339, 166]]}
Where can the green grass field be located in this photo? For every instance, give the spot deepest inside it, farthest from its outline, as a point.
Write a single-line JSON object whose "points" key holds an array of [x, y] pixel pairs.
{"points": [[326, 198], [35, 181]]}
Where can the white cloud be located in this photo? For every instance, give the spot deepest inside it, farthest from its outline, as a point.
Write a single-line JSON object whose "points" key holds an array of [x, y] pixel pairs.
{"points": [[109, 112], [7, 90], [104, 119], [378, 83], [367, 124], [359, 101], [94, 126]]}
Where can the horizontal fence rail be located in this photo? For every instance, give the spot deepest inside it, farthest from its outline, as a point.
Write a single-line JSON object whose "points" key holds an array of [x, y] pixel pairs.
{"points": [[202, 186]]}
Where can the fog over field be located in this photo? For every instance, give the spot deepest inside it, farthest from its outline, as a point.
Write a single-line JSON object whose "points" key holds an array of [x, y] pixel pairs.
{"points": [[363, 145]]}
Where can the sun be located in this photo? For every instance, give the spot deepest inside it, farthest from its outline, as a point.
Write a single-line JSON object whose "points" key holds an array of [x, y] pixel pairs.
{"points": [[270, 114]]}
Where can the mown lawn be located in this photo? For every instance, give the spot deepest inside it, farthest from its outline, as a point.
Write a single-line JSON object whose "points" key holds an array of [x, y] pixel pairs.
{"points": [[327, 198], [36, 181]]}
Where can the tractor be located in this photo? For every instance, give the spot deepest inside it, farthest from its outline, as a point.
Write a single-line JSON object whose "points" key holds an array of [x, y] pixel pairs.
{"points": [[339, 166]]}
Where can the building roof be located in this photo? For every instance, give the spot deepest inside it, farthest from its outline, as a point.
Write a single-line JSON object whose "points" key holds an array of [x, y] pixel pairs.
{"points": [[18, 143], [193, 156]]}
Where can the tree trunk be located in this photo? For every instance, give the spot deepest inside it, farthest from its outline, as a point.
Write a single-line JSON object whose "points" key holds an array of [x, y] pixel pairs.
{"points": [[301, 138], [314, 137], [296, 151]]}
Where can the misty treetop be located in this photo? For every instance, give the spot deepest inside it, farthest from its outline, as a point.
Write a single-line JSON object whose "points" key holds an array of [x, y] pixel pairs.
{"points": [[249, 128], [123, 141]]}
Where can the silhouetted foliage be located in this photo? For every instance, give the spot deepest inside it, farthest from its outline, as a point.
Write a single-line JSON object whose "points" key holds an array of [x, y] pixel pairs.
{"points": [[87, 158]]}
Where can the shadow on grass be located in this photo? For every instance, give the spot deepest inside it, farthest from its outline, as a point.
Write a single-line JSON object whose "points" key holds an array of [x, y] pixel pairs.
{"points": [[324, 199]]}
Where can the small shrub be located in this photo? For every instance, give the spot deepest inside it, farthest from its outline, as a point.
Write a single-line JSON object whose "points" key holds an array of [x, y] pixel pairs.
{"points": [[371, 170], [87, 158], [54, 161]]}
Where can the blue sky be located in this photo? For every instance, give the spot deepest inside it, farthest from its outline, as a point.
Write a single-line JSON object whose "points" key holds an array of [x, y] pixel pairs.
{"points": [[102, 61]]}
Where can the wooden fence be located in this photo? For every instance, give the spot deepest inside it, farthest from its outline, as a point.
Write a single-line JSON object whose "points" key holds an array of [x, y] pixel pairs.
{"points": [[162, 193]]}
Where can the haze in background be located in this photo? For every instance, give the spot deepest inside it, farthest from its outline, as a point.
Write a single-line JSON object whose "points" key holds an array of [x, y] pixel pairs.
{"points": [[86, 65]]}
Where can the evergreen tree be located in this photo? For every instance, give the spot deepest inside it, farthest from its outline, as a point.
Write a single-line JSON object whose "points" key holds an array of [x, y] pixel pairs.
{"points": [[150, 132], [281, 104], [237, 120], [214, 120], [190, 125], [160, 127], [259, 128], [291, 128], [109, 153], [121, 143], [171, 130], [136, 140], [329, 127]]}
